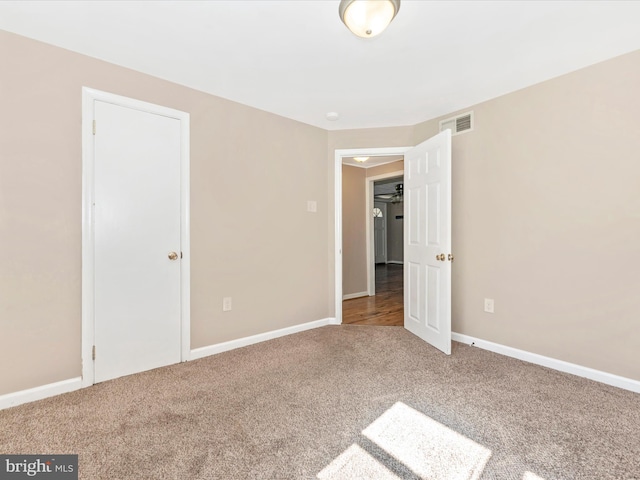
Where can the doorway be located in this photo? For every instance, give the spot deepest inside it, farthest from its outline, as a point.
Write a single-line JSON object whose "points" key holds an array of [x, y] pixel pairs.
{"points": [[372, 259], [384, 304], [388, 219], [135, 273], [427, 235]]}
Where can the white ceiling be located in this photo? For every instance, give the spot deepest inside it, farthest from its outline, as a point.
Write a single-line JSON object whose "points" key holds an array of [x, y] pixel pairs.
{"points": [[297, 59]]}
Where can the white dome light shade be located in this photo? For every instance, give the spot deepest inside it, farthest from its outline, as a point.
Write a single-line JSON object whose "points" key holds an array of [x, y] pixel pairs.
{"points": [[368, 18]]}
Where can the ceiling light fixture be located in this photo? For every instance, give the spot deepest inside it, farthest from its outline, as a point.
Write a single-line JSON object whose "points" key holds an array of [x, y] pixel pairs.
{"points": [[368, 18], [361, 159]]}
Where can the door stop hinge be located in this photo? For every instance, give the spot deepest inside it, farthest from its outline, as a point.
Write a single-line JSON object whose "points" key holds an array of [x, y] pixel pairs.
{"points": [[93, 353]]}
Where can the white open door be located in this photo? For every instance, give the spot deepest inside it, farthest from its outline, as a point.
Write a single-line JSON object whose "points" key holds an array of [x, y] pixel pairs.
{"points": [[427, 241]]}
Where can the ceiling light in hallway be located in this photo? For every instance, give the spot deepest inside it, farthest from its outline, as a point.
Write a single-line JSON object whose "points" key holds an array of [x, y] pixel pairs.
{"points": [[368, 18]]}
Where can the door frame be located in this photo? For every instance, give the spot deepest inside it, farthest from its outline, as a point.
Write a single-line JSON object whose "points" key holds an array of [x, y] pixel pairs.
{"points": [[89, 96], [337, 190], [371, 253]]}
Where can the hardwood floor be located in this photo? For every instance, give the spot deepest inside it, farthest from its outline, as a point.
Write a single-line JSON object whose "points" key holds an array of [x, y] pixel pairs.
{"points": [[386, 307]]}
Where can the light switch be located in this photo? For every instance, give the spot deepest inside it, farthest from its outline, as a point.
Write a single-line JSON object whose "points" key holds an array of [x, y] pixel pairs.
{"points": [[226, 304]]}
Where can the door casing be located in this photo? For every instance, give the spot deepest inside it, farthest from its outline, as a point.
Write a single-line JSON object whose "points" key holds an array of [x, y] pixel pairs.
{"points": [[89, 96]]}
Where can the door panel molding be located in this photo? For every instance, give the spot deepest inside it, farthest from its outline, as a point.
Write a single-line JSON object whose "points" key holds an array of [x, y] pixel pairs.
{"points": [[427, 207], [89, 97]]}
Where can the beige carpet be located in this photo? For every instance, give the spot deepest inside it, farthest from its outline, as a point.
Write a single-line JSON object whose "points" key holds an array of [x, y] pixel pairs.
{"points": [[335, 403]]}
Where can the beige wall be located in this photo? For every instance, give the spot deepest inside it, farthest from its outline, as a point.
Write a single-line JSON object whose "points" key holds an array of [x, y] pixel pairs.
{"points": [[252, 239], [545, 213], [392, 167], [546, 216], [354, 238], [371, 138]]}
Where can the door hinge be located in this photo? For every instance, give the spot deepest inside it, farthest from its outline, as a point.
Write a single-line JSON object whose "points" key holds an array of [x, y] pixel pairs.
{"points": [[93, 353], [94, 127]]}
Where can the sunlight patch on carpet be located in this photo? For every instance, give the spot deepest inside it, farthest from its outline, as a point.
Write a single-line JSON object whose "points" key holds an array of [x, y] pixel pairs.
{"points": [[428, 448], [354, 462], [531, 476]]}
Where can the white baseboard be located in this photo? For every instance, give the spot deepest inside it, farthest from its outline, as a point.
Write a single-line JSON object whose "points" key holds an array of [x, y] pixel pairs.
{"points": [[261, 337], [38, 393], [560, 365], [349, 296], [44, 391], [396, 262]]}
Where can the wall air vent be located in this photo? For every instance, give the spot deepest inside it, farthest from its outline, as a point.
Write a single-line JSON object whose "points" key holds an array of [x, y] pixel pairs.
{"points": [[459, 124]]}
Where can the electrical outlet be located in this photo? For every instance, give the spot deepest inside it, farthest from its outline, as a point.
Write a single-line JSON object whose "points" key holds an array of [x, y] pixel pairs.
{"points": [[312, 206], [488, 305], [226, 304]]}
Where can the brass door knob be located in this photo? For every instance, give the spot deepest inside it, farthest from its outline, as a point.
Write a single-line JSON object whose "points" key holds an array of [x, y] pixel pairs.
{"points": [[172, 256], [440, 257]]}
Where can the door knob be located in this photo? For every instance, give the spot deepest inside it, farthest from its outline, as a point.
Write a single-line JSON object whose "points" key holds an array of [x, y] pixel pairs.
{"points": [[440, 257], [172, 256]]}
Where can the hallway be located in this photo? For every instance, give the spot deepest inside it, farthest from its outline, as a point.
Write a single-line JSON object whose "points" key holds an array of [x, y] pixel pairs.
{"points": [[386, 307]]}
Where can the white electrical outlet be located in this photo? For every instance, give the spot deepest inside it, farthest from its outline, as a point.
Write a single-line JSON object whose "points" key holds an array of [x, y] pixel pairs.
{"points": [[226, 304], [488, 305]]}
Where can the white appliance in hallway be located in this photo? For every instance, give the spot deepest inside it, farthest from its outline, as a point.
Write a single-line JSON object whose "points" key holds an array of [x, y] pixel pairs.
{"points": [[380, 231]]}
